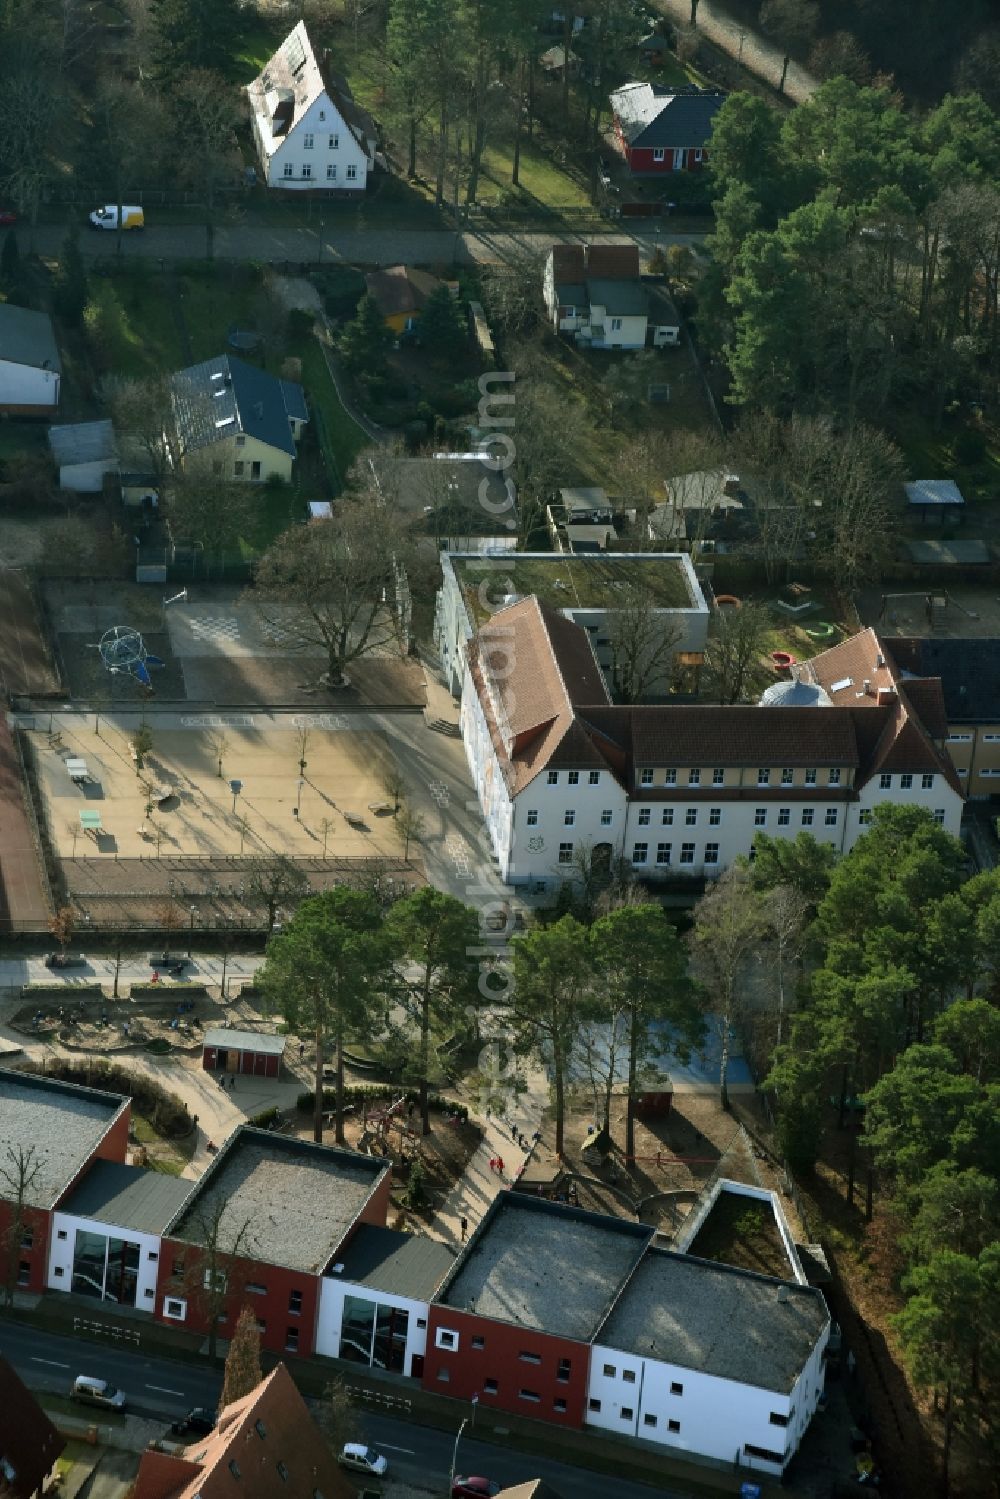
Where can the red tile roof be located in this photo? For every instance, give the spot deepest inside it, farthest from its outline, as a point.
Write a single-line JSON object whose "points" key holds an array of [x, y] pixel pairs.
{"points": [[265, 1444], [29, 1443]]}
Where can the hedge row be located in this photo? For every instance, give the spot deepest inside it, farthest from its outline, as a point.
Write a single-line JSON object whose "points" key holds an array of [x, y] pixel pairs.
{"points": [[166, 1113], [376, 1093]]}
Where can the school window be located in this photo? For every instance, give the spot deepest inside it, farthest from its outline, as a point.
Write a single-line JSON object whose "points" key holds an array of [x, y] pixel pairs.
{"points": [[616, 325], [763, 777], [307, 142], [663, 853], [939, 816], [594, 778], [24, 1273], [718, 777], [648, 1420], [927, 782], [674, 1426], [27, 1239], [61, 1234], [606, 818], [490, 1386], [149, 1293], [645, 777], [810, 777], [639, 853], [906, 781], [352, 174], [335, 143], [445, 1338], [784, 816], [479, 1342], [834, 777], [885, 781], [830, 820], [594, 1405], [532, 818], [760, 817], [610, 1372], [292, 1339], [562, 1373], [687, 853], [175, 1310], [676, 1388], [559, 1406], [865, 816], [644, 816], [574, 778], [670, 778], [961, 738], [714, 816], [295, 1302], [694, 777], [807, 817], [307, 170], [764, 1453], [787, 776], [711, 853], [444, 1376], [216, 1281], [777, 1419], [626, 1413], [331, 172], [569, 818], [565, 853], [667, 817], [628, 1375], [529, 1358], [254, 1288], [531, 1395]]}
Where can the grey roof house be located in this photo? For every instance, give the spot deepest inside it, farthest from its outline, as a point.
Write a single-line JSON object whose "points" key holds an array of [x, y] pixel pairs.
{"points": [[596, 293], [240, 419], [661, 129], [30, 371]]}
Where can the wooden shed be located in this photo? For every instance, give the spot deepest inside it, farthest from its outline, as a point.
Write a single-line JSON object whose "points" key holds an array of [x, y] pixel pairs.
{"points": [[253, 1052]]}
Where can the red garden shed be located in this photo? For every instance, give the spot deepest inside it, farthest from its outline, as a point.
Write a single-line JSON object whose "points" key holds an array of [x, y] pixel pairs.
{"points": [[225, 1050]]}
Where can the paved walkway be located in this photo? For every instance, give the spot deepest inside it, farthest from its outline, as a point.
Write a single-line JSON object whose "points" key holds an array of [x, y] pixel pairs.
{"points": [[748, 47]]}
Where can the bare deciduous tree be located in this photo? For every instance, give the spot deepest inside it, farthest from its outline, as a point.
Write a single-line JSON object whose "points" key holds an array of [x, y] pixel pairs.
{"points": [[642, 640], [733, 648], [19, 1170], [729, 926]]}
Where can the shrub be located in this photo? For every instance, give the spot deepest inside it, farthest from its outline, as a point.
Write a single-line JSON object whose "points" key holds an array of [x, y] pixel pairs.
{"points": [[266, 1118], [299, 325], [970, 447]]}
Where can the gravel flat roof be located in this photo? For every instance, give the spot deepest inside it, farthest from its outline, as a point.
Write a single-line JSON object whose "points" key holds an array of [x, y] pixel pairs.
{"points": [[398, 1264], [731, 1323], [540, 1265], [128, 1197], [62, 1123], [280, 1201]]}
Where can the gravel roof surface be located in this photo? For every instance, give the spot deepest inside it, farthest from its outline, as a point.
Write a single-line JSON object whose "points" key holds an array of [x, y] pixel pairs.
{"points": [[60, 1122]]}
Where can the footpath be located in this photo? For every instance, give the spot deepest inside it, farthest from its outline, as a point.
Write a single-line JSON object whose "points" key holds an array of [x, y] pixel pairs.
{"points": [[744, 45]]}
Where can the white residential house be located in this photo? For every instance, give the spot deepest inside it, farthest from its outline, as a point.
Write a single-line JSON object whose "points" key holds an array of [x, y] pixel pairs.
{"points": [[560, 771], [310, 132], [596, 293], [583, 588], [30, 370]]}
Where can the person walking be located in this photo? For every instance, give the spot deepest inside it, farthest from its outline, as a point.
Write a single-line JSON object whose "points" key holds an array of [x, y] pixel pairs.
{"points": [[500, 1164], [464, 1225]]}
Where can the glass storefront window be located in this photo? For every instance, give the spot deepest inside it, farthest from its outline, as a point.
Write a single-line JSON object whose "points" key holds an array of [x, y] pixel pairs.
{"points": [[371, 1334], [357, 1330], [107, 1269]]}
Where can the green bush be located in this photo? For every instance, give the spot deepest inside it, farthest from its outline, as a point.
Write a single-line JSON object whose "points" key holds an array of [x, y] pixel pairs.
{"points": [[371, 1093], [65, 993], [166, 1113], [182, 986], [299, 325], [969, 447], [266, 1117]]}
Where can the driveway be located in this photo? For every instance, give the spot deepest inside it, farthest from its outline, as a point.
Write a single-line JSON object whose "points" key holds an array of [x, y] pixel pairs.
{"points": [[112, 1478]]}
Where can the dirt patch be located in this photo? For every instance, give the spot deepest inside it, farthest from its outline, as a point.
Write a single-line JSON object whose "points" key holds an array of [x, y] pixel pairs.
{"points": [[26, 666], [741, 1232], [23, 902]]}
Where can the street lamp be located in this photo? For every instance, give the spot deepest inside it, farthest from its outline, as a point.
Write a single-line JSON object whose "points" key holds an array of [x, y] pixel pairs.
{"points": [[454, 1455], [298, 799]]}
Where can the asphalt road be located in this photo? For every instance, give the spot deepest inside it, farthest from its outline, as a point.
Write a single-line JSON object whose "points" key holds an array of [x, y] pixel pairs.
{"points": [[355, 246], [161, 1388]]}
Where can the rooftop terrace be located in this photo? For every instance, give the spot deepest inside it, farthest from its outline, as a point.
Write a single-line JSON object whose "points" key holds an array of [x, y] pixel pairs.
{"points": [[281, 1201], [567, 582], [721, 1321], [61, 1123], [537, 1265]]}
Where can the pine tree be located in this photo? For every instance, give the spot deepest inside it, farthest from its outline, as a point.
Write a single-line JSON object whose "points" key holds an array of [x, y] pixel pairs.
{"points": [[72, 291], [10, 263], [243, 1372], [194, 34], [442, 331], [364, 341]]}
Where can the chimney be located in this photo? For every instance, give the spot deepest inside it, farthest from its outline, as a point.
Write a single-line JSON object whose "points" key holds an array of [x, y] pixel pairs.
{"points": [[886, 695], [868, 687]]}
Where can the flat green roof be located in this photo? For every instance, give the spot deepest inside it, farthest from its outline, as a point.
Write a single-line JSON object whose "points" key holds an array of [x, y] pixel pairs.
{"points": [[566, 582]]}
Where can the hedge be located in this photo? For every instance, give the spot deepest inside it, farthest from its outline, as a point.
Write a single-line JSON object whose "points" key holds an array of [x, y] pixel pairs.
{"points": [[265, 1118], [167, 1114], [376, 1092], [65, 993], [151, 990]]}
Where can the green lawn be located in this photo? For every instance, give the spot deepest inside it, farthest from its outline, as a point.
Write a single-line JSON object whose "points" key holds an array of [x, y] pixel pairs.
{"points": [[543, 182], [344, 437]]}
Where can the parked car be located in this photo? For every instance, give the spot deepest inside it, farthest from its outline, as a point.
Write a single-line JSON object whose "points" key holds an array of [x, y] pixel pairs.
{"points": [[8, 216], [362, 1459], [65, 960], [475, 1488], [107, 217], [199, 1421], [170, 962], [89, 1391]]}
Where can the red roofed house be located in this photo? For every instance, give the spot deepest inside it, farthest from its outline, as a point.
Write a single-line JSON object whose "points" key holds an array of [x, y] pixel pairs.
{"points": [[662, 129], [264, 1444], [29, 1443]]}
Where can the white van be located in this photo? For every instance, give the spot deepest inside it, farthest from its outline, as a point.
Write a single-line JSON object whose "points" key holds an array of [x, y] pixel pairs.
{"points": [[107, 217], [89, 1391]]}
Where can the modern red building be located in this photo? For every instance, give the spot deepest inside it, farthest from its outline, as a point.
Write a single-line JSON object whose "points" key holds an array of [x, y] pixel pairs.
{"points": [[513, 1321], [661, 130], [264, 1224], [51, 1133], [247, 1052]]}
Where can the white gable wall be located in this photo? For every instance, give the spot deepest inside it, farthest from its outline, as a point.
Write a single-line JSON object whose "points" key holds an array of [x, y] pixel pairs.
{"points": [[322, 120], [24, 385], [330, 1317]]}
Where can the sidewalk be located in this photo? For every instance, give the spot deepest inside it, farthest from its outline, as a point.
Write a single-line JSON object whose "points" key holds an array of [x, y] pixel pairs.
{"points": [[754, 52]]}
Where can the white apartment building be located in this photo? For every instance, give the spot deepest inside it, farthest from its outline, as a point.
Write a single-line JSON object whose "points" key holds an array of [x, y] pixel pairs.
{"points": [[561, 772], [584, 589], [309, 131]]}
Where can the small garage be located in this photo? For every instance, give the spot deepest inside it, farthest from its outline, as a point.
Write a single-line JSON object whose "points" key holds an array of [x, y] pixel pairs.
{"points": [[252, 1052], [83, 453]]}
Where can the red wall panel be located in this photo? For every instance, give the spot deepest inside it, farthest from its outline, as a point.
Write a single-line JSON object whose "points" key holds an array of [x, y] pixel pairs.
{"points": [[271, 1308], [35, 1221], [469, 1368]]}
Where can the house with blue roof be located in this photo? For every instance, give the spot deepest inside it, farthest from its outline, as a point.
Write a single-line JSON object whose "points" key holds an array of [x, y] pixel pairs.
{"points": [[237, 419]]}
